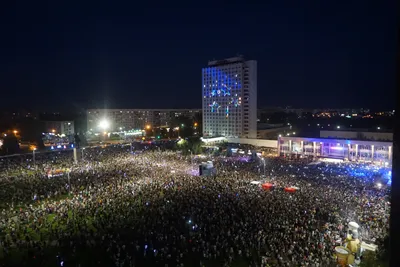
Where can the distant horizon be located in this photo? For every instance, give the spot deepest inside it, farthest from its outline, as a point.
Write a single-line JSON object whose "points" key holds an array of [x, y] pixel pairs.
{"points": [[68, 110]]}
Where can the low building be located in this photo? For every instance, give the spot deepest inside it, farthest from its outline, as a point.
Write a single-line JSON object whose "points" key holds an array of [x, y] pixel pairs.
{"points": [[352, 150], [60, 127]]}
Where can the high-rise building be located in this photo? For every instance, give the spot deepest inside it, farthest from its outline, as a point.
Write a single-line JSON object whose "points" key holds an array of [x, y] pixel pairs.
{"points": [[230, 98]]}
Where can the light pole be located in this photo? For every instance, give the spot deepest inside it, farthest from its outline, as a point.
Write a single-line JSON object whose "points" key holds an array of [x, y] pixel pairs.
{"points": [[33, 155], [104, 124], [69, 181], [191, 157], [263, 160], [82, 153]]}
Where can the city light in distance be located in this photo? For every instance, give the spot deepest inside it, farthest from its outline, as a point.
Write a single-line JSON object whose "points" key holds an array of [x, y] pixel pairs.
{"points": [[148, 127], [195, 124], [378, 128], [15, 131], [53, 130], [338, 127]]}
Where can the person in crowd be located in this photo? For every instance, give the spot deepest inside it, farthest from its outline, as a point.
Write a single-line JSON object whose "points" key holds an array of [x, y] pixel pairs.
{"points": [[151, 208]]}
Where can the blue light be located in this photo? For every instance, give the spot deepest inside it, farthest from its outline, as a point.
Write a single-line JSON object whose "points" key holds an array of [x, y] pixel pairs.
{"points": [[214, 106], [221, 84], [72, 145], [389, 177], [52, 147]]}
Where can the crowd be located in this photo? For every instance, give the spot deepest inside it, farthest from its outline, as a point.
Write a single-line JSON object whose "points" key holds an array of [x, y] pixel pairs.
{"points": [[150, 208]]}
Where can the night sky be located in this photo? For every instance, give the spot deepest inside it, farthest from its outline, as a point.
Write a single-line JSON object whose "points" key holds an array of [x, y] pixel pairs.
{"points": [[97, 54]]}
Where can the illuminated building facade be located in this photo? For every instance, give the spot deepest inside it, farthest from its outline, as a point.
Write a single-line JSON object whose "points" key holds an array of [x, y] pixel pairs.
{"points": [[229, 90], [135, 119], [352, 150], [60, 127]]}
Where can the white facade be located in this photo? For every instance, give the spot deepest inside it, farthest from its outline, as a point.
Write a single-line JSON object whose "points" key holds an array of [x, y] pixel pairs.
{"points": [[60, 127], [229, 90], [135, 119], [352, 150]]}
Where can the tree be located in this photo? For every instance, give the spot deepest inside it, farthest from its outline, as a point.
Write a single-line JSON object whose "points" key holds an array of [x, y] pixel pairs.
{"points": [[171, 133], [190, 145], [370, 259], [77, 141], [185, 125], [82, 139], [198, 123], [39, 141], [164, 133], [10, 144]]}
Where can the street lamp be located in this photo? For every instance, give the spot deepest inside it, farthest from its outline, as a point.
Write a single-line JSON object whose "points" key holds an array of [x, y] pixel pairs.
{"points": [[148, 127], [69, 181], [104, 124], [191, 156], [15, 131], [33, 156], [263, 160]]}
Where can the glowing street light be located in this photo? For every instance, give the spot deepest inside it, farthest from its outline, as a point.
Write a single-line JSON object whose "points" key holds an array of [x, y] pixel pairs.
{"points": [[195, 124], [15, 131], [104, 124], [53, 130], [33, 156], [148, 127], [338, 127]]}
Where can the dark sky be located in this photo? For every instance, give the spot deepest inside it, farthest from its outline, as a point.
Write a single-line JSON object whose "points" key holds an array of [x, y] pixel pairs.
{"points": [[96, 54]]}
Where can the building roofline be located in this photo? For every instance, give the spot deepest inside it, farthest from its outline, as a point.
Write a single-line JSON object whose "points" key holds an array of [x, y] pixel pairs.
{"points": [[339, 141]]}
